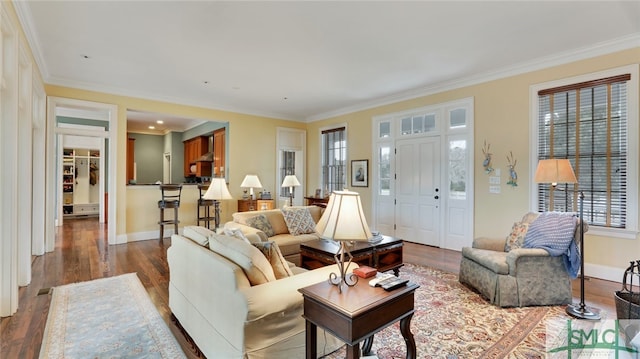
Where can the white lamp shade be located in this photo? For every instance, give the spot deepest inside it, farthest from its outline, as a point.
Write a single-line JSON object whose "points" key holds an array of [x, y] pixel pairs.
{"points": [[290, 181], [251, 181], [555, 171], [343, 219], [217, 190]]}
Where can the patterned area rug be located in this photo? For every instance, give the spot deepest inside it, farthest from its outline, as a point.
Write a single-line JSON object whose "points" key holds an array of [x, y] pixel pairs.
{"points": [[453, 322], [106, 318]]}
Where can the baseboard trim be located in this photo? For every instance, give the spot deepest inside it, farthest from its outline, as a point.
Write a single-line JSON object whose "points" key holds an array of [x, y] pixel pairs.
{"points": [[144, 236], [604, 272]]}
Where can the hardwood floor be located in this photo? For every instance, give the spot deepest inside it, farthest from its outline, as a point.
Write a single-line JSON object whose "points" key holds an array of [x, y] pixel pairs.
{"points": [[82, 253]]}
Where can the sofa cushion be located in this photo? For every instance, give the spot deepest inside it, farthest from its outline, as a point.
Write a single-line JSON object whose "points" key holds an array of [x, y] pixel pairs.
{"points": [[279, 265], [515, 239], [197, 234], [290, 245], [236, 232], [254, 264], [276, 219], [493, 260], [262, 223], [298, 221]]}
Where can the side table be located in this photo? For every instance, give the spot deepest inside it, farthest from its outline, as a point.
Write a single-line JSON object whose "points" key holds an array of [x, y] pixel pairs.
{"points": [[356, 314]]}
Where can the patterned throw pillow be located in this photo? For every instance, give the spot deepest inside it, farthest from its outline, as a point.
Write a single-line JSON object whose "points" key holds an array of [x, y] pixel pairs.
{"points": [[299, 220], [272, 252], [262, 223], [516, 238]]}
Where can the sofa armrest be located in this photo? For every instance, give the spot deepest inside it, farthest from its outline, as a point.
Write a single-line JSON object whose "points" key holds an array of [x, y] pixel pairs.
{"points": [[278, 298], [254, 235], [515, 254], [492, 244]]}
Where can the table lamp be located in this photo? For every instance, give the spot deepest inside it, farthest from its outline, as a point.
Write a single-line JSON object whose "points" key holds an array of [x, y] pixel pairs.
{"points": [[556, 171], [343, 221], [290, 181], [251, 182], [217, 191]]}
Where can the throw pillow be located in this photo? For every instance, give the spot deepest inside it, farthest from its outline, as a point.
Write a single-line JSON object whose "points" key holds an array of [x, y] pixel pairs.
{"points": [[262, 223], [272, 252], [299, 221], [197, 234], [254, 264], [516, 238], [236, 232]]}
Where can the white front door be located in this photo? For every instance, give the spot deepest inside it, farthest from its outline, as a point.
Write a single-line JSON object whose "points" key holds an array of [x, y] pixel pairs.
{"points": [[418, 191]]}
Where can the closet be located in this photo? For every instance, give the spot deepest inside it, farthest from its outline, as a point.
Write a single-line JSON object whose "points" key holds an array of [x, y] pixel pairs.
{"points": [[80, 185]]}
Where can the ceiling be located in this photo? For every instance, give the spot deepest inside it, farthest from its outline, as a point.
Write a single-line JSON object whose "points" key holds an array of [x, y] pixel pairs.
{"points": [[311, 60]]}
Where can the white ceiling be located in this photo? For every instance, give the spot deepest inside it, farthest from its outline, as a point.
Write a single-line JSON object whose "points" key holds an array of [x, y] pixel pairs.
{"points": [[311, 60]]}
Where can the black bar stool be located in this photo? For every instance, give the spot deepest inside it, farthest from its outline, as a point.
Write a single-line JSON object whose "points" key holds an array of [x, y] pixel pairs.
{"points": [[204, 205], [170, 199]]}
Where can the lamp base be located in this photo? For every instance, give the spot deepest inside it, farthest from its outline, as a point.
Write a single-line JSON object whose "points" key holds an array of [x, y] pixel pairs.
{"points": [[581, 311], [337, 279]]}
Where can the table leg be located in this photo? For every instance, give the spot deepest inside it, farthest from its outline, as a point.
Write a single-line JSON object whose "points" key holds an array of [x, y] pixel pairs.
{"points": [[405, 329], [311, 338], [366, 346], [353, 352]]}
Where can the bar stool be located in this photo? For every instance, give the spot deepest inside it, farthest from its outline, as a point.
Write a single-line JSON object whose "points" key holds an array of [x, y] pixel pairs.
{"points": [[170, 199], [205, 205]]}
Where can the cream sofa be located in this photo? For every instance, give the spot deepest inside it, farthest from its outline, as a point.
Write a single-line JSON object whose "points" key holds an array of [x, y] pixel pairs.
{"points": [[289, 244], [215, 303]]}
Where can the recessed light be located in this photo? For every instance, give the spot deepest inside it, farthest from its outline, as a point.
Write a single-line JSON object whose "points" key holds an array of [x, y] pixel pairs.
{"points": [[152, 127], [285, 98], [206, 82], [159, 122], [85, 56]]}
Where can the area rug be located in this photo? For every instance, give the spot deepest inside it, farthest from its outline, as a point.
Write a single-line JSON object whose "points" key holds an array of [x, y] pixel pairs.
{"points": [[453, 322], [106, 318]]}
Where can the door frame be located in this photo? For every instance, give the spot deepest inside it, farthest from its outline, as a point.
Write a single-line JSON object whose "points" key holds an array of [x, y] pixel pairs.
{"points": [[90, 110], [447, 130]]}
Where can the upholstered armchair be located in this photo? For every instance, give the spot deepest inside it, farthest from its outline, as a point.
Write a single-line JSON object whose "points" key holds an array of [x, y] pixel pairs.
{"points": [[511, 276]]}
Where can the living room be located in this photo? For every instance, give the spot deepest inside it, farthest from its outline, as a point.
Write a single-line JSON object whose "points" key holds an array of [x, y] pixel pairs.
{"points": [[502, 115]]}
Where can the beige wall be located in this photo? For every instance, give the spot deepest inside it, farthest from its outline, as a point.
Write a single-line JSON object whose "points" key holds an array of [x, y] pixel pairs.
{"points": [[502, 119]]}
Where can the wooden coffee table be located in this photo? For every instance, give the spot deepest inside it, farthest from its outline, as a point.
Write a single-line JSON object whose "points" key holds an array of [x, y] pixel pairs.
{"points": [[356, 313], [385, 255]]}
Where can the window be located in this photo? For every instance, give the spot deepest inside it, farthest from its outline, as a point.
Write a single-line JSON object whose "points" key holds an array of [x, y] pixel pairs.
{"points": [[587, 123], [334, 159], [288, 162]]}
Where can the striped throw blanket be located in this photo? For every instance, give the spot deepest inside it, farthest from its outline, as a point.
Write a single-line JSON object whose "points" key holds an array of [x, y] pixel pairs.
{"points": [[553, 232]]}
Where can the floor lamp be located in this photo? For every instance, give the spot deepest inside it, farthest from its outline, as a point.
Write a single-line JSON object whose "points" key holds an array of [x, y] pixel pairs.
{"points": [[217, 191], [556, 171]]}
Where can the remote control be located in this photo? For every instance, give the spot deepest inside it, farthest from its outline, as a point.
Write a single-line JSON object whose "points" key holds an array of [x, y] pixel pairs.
{"points": [[397, 283], [379, 278]]}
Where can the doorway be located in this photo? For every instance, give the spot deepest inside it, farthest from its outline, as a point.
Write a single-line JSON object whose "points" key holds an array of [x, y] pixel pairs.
{"points": [[422, 174], [418, 190], [90, 111]]}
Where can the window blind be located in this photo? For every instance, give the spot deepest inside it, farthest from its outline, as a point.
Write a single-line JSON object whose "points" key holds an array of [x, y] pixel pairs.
{"points": [[587, 124]]}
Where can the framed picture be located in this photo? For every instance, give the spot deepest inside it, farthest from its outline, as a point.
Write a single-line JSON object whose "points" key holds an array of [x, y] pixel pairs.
{"points": [[360, 173]]}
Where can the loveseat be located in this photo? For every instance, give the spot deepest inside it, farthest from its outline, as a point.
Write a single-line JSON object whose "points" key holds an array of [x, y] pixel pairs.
{"points": [[288, 227], [215, 302], [509, 275]]}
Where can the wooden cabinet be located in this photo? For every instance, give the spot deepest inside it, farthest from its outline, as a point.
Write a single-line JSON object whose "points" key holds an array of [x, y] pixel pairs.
{"points": [[193, 149], [244, 205], [219, 147], [130, 158]]}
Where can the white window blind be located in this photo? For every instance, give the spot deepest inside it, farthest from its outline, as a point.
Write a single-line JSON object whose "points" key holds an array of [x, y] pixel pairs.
{"points": [[587, 124]]}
